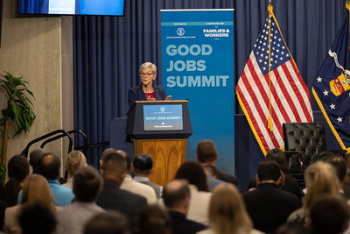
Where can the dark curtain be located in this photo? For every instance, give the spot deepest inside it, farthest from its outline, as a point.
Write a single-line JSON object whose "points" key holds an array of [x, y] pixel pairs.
{"points": [[29, 6], [109, 50]]}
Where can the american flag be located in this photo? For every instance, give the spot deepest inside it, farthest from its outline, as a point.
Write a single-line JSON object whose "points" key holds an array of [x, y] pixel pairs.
{"points": [[332, 84], [286, 93]]}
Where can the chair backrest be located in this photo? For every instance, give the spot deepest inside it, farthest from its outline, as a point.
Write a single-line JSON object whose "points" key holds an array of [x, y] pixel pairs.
{"points": [[308, 138]]}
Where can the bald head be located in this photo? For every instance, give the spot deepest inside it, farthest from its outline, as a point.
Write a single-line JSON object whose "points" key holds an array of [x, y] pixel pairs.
{"points": [[127, 157], [176, 193], [49, 166]]}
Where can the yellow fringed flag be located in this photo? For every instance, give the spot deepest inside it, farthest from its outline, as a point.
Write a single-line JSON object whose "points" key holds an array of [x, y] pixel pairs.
{"points": [[271, 90]]}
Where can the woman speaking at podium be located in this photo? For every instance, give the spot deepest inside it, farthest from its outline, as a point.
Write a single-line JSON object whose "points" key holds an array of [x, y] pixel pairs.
{"points": [[147, 90]]}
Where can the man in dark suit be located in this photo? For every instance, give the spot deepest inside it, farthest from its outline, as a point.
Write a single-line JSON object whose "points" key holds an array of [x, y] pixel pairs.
{"points": [[268, 206], [112, 197], [176, 197], [207, 154]]}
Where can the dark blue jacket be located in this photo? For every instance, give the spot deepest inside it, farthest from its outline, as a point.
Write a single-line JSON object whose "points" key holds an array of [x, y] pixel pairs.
{"points": [[136, 94]]}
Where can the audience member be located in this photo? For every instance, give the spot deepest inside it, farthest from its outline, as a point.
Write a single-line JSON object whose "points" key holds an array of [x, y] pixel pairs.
{"points": [[105, 153], [154, 220], [136, 187], [34, 158], [112, 197], [200, 197], [329, 214], [37, 219], [290, 184], [18, 170], [320, 179], [87, 184], [49, 167], [35, 189], [211, 174], [207, 154], [176, 197], [267, 205], [75, 160], [227, 212], [111, 222], [143, 167], [340, 167]]}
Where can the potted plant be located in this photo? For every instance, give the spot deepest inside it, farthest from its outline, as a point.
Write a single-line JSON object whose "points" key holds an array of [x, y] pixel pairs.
{"points": [[18, 110]]}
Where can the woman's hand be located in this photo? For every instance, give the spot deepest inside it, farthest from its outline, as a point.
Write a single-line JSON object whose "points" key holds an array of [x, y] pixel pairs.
{"points": [[151, 99]]}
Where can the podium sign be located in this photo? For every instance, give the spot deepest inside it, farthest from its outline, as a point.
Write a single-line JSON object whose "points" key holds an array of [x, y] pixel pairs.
{"points": [[162, 117], [145, 119]]}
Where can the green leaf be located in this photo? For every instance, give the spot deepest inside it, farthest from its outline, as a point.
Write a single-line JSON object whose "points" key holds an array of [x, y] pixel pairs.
{"points": [[19, 106], [2, 172]]}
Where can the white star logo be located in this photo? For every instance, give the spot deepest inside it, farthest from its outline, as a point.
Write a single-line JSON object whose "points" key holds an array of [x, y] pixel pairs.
{"points": [[319, 79], [326, 93], [340, 119], [332, 106]]}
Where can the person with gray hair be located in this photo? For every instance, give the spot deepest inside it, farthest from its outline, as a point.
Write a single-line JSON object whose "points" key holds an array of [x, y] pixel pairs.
{"points": [[87, 184], [147, 90]]}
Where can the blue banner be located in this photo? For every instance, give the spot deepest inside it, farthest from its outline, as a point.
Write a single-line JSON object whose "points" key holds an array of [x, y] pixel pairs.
{"points": [[197, 64]]}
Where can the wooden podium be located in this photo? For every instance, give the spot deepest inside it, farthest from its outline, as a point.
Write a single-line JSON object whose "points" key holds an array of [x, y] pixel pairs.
{"points": [[164, 140]]}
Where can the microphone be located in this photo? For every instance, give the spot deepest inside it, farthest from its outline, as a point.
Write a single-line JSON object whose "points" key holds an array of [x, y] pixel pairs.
{"points": [[146, 92]]}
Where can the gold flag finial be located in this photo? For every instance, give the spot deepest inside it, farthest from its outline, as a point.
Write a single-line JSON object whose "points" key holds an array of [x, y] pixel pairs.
{"points": [[347, 5]]}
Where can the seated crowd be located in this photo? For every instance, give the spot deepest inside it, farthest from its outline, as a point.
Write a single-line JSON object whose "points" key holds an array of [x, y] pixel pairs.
{"points": [[200, 199]]}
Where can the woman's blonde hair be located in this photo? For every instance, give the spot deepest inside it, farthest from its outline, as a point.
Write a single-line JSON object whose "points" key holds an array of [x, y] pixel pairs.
{"points": [[74, 161], [320, 179], [148, 65], [36, 189], [227, 212]]}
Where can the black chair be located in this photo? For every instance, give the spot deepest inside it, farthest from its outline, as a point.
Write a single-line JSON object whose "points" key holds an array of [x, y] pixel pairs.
{"points": [[303, 143]]}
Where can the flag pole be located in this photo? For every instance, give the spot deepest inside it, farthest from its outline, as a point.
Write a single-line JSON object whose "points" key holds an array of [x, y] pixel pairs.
{"points": [[347, 6], [269, 120]]}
